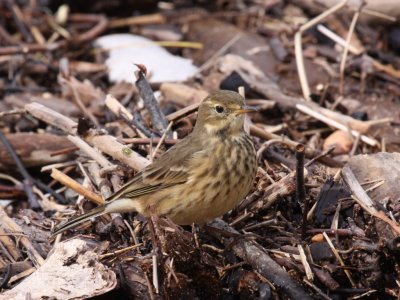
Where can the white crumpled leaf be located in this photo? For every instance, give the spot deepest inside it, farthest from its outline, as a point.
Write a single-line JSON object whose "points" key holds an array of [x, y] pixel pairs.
{"points": [[72, 271], [125, 50]]}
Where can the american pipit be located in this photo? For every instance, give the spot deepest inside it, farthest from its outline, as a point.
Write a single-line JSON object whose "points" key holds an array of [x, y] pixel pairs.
{"points": [[200, 178]]}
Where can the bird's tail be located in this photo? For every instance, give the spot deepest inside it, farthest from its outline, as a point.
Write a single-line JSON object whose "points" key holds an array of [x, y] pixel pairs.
{"points": [[95, 212]]}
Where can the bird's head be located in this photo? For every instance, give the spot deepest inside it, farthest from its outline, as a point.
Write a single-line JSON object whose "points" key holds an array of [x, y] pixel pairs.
{"points": [[222, 112]]}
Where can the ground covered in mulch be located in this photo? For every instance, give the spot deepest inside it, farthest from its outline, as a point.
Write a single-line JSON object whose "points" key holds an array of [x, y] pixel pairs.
{"points": [[87, 100]]}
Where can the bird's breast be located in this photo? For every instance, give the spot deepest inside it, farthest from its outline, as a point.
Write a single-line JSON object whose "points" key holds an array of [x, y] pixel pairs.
{"points": [[221, 175]]}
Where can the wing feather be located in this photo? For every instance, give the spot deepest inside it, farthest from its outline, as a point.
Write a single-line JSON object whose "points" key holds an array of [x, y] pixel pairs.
{"points": [[171, 168]]}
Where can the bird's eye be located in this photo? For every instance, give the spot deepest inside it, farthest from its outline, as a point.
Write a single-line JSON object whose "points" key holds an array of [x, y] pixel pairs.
{"points": [[219, 109]]}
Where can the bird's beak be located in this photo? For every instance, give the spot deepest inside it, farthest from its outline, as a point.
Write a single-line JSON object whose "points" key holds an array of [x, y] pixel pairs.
{"points": [[246, 109]]}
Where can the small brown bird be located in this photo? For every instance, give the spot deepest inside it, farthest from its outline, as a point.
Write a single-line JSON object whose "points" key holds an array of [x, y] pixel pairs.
{"points": [[200, 178]]}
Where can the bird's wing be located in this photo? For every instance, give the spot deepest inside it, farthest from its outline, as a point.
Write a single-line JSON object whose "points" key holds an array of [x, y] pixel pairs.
{"points": [[170, 169]]}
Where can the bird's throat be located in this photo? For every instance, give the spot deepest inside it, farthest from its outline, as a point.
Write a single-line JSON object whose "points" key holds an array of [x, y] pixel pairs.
{"points": [[223, 132]]}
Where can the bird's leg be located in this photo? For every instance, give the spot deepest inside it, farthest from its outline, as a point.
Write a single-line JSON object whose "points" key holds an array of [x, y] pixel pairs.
{"points": [[151, 221], [157, 255], [153, 213], [154, 219], [158, 241], [195, 230], [158, 236]]}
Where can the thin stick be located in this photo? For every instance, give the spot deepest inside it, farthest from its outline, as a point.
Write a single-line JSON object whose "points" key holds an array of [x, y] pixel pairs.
{"points": [[300, 187], [322, 154], [155, 273], [298, 47], [121, 251], [346, 48], [374, 186], [19, 19], [30, 48], [338, 39], [134, 237], [11, 112], [337, 255], [58, 165], [109, 145], [119, 110], [173, 44], [378, 14], [183, 112], [217, 54], [161, 139], [137, 20], [322, 16], [306, 265], [52, 192], [77, 187], [64, 151], [317, 290], [146, 141], [21, 275], [355, 146], [51, 117], [307, 110], [301, 69], [80, 104], [89, 150], [149, 287]]}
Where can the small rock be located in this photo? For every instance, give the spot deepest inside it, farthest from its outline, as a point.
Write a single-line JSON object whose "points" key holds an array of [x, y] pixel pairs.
{"points": [[342, 140]]}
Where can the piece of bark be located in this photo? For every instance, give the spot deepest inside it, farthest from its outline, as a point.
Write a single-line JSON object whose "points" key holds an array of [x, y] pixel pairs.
{"points": [[72, 271], [34, 149], [150, 102]]}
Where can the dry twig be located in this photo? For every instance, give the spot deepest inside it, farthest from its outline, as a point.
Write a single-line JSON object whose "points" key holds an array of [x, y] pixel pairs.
{"points": [[77, 187], [105, 143], [298, 46]]}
